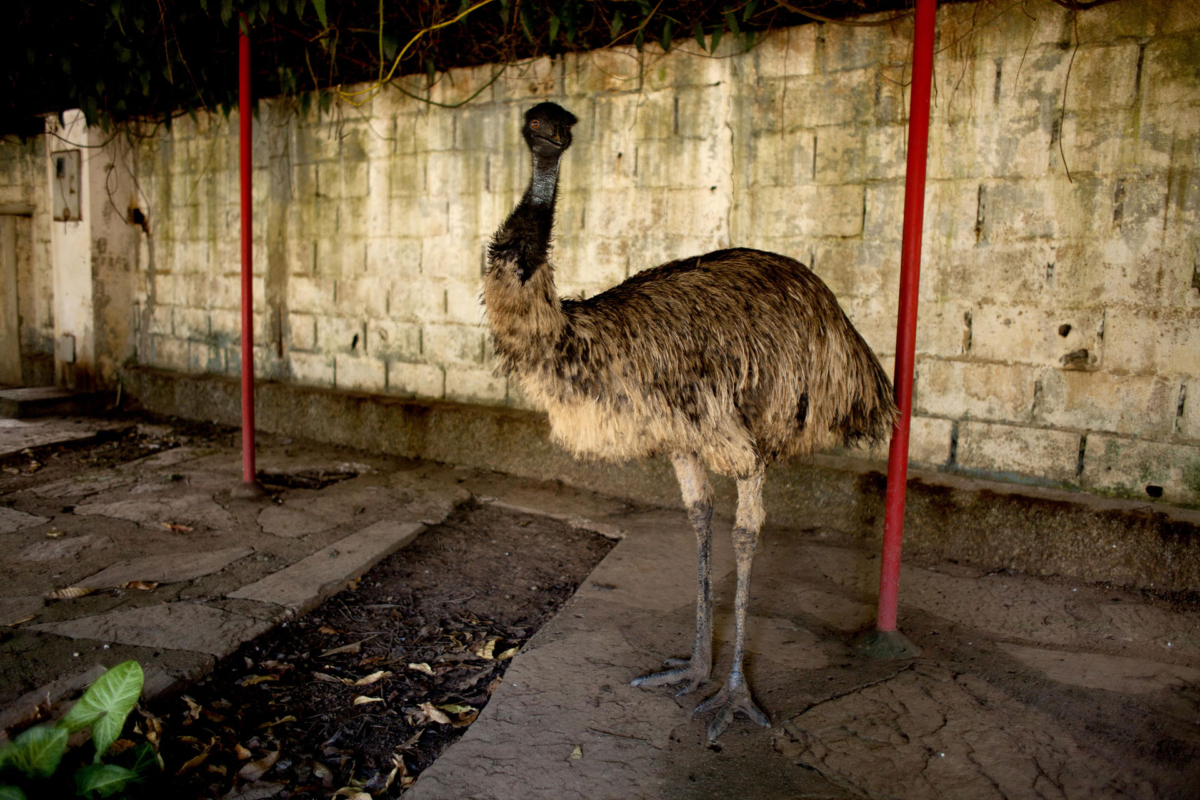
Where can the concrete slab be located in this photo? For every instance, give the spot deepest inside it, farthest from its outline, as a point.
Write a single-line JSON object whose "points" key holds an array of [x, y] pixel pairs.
{"points": [[1099, 671], [168, 568], [172, 626], [47, 702], [16, 609], [17, 435], [193, 510], [292, 523], [55, 549], [12, 520], [303, 585], [83, 485]]}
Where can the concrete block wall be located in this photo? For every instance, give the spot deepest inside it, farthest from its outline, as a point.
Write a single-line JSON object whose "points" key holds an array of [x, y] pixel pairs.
{"points": [[1059, 334]]}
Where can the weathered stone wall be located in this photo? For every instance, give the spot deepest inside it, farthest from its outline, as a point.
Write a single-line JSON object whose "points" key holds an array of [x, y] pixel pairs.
{"points": [[1059, 334]]}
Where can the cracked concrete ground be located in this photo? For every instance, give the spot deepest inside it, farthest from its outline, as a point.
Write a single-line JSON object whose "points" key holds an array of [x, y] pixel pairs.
{"points": [[1025, 687]]}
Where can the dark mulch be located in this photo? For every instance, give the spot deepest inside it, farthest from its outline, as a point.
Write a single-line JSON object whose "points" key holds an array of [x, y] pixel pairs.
{"points": [[438, 619]]}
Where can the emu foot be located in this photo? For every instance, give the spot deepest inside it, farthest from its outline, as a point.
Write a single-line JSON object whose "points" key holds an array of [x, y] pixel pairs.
{"points": [[728, 702], [685, 669]]}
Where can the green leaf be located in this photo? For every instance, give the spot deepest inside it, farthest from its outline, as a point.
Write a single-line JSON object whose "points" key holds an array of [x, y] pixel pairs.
{"points": [[105, 705], [698, 32], [716, 39], [146, 760], [618, 22], [731, 21], [104, 780], [749, 12], [226, 11], [554, 23], [300, 8], [37, 751], [11, 793], [527, 25], [319, 5], [666, 36]]}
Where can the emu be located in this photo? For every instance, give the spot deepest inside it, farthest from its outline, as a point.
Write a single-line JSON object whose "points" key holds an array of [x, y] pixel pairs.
{"points": [[733, 359]]}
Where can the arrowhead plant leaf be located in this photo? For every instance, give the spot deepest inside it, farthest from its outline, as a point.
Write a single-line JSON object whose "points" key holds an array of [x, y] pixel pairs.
{"points": [[37, 751], [105, 705]]}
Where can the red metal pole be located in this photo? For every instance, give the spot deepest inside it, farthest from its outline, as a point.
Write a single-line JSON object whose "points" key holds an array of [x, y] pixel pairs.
{"points": [[906, 325], [244, 119]]}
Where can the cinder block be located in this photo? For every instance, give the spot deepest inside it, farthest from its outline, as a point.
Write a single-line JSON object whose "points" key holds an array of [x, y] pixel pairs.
{"points": [[390, 258], [311, 295], [168, 352], [311, 369], [191, 323], [841, 155], [1147, 341], [1168, 73], [422, 380], [845, 47], [1187, 409], [1005, 274], [809, 210], [967, 390], [359, 373], [420, 300], [787, 52], [340, 334], [1142, 469], [452, 344], [339, 256], [929, 441], [475, 386], [837, 98], [418, 216], [1007, 450], [532, 81], [682, 163], [366, 297], [1048, 337], [1143, 406], [388, 340], [943, 328], [680, 68], [301, 332], [594, 72]]}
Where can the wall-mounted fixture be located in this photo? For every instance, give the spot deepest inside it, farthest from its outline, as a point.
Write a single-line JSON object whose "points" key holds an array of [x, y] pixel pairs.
{"points": [[65, 186]]}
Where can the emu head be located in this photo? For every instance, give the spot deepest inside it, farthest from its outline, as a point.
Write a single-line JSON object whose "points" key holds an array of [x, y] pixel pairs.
{"points": [[547, 129]]}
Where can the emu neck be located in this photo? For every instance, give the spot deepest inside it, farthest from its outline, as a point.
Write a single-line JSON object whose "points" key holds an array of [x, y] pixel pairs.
{"points": [[543, 184]]}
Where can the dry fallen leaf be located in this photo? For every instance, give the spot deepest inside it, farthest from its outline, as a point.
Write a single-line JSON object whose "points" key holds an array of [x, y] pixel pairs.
{"points": [[488, 648], [422, 667], [353, 647], [217, 768], [372, 678], [577, 753], [252, 680], [509, 653], [119, 746], [54, 533], [327, 678], [280, 721], [465, 719], [328, 630], [363, 700], [69, 593], [241, 752], [454, 708], [194, 710], [323, 774], [20, 621], [410, 741], [145, 586], [256, 769], [175, 527], [433, 714]]}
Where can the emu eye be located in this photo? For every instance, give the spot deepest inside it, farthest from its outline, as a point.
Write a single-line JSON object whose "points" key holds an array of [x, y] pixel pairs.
{"points": [[535, 124]]}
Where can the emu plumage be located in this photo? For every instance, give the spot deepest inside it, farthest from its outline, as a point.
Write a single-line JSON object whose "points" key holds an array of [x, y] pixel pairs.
{"points": [[732, 359]]}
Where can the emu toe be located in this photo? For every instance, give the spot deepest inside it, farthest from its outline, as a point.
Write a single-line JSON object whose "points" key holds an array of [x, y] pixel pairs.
{"points": [[683, 670], [727, 703]]}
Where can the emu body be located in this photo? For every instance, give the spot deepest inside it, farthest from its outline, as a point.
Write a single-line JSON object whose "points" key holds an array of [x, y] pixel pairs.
{"points": [[732, 359]]}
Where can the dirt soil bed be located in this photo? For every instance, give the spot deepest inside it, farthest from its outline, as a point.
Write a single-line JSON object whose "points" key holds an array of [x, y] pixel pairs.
{"points": [[367, 690]]}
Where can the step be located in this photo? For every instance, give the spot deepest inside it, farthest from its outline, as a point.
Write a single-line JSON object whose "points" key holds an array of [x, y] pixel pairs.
{"points": [[47, 401]]}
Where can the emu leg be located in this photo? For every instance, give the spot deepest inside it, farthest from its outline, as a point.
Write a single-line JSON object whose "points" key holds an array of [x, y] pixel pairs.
{"points": [[734, 696], [698, 499]]}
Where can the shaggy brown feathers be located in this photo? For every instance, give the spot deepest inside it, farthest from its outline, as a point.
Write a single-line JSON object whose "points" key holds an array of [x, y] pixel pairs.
{"points": [[741, 356]]}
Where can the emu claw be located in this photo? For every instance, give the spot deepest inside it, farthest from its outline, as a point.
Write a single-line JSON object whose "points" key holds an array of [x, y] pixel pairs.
{"points": [[727, 702], [683, 670]]}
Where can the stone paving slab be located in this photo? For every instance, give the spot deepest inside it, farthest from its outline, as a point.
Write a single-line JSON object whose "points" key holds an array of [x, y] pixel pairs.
{"points": [[302, 586], [12, 520], [172, 626], [169, 568], [15, 609], [17, 435]]}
